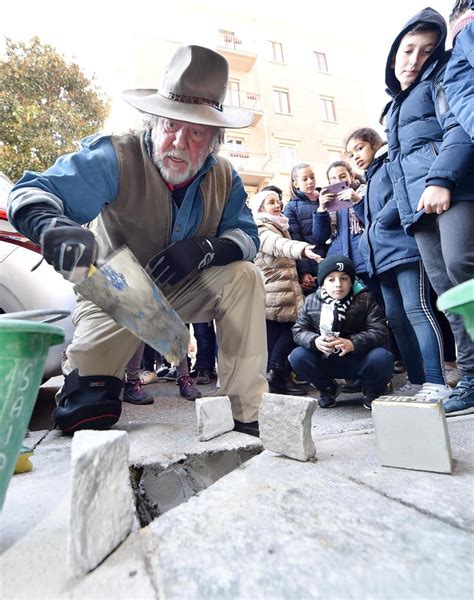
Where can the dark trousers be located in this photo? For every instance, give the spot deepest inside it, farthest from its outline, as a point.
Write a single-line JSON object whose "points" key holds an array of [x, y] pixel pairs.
{"points": [[446, 245], [206, 346], [374, 369], [279, 343]]}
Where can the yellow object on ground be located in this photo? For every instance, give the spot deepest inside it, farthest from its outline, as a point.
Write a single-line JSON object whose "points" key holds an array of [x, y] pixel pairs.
{"points": [[23, 463]]}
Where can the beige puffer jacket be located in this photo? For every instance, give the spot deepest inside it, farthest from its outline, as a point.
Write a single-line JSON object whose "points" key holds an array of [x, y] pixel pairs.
{"points": [[276, 260]]}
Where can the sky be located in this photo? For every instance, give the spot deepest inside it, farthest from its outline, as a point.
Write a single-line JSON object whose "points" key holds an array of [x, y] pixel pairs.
{"points": [[93, 32]]}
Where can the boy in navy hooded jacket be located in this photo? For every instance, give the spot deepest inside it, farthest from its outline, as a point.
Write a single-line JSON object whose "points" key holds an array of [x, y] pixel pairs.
{"points": [[459, 76], [432, 160]]}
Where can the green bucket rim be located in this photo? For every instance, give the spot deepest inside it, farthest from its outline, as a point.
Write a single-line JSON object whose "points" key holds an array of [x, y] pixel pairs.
{"points": [[24, 326], [457, 297]]}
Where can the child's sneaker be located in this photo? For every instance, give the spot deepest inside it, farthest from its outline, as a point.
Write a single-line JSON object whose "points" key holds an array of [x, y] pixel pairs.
{"points": [[369, 397], [163, 372], [171, 375], [409, 389], [352, 386], [399, 367], [203, 377], [434, 391], [134, 394], [452, 375], [148, 377], [327, 395], [461, 400], [187, 389]]}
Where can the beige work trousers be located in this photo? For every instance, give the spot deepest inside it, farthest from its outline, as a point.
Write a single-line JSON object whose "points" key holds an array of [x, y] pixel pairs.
{"points": [[232, 295]]}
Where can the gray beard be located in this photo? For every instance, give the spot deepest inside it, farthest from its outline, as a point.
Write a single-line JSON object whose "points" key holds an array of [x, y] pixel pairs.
{"points": [[176, 178]]}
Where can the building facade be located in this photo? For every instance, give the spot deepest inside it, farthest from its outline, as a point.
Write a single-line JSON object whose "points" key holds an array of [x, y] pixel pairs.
{"points": [[297, 82]]}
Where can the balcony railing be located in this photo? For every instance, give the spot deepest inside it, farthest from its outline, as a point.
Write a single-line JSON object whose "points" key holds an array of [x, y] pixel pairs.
{"points": [[230, 41], [247, 162], [241, 55], [247, 100]]}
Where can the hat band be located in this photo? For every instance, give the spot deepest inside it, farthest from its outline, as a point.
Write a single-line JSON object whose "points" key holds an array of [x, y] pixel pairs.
{"points": [[190, 99]]}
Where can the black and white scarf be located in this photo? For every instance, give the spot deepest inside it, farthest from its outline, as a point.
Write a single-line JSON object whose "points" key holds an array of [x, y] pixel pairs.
{"points": [[333, 312]]}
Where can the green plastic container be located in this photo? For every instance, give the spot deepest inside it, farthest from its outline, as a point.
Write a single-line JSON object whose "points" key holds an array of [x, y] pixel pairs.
{"points": [[24, 346], [460, 300]]}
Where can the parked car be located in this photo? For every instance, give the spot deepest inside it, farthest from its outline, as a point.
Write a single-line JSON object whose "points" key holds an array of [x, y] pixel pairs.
{"points": [[22, 289]]}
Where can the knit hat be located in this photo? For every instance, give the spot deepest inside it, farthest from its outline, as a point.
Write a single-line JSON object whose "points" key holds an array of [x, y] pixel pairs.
{"points": [[258, 199], [335, 262]]}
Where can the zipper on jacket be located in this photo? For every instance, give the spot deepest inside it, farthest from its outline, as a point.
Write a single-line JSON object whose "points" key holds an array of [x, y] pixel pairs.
{"points": [[434, 149]]}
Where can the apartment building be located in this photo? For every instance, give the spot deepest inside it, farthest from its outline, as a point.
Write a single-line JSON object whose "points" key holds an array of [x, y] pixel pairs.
{"points": [[301, 85]]}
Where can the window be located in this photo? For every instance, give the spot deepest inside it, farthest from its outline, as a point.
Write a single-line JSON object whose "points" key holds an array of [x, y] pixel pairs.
{"points": [[328, 109], [321, 62], [235, 144], [281, 101], [237, 154], [277, 51], [233, 93], [287, 156]]}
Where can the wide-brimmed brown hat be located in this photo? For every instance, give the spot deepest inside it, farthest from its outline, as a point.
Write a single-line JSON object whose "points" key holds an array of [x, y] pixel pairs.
{"points": [[193, 89]]}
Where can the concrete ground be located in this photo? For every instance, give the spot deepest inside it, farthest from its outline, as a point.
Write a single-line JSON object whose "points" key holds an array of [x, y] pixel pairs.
{"points": [[235, 522]]}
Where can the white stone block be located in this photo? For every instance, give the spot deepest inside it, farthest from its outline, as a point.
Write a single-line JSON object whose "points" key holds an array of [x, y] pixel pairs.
{"points": [[412, 434], [214, 417], [285, 425], [102, 505]]}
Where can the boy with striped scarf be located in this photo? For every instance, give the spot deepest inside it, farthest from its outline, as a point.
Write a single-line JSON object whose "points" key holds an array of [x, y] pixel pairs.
{"points": [[342, 334]]}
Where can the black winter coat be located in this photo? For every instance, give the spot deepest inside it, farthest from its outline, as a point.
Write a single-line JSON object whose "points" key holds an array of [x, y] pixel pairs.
{"points": [[364, 325]]}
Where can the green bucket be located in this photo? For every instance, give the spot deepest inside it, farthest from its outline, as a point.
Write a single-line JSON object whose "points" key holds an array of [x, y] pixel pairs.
{"points": [[460, 300], [24, 346]]}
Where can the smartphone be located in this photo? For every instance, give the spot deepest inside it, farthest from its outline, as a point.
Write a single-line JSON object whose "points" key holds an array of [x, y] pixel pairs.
{"points": [[335, 188]]}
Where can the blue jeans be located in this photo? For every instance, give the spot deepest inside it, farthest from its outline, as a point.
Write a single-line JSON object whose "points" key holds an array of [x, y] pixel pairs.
{"points": [[446, 245], [206, 346], [374, 369], [406, 293]]}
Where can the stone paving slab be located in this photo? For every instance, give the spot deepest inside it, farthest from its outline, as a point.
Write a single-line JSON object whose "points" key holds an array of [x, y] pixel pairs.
{"points": [[35, 568], [31, 497], [344, 527], [277, 528], [166, 432], [102, 507], [447, 497]]}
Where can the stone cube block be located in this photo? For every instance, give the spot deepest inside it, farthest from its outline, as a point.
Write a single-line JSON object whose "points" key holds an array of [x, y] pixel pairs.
{"points": [[102, 504], [214, 417], [412, 434], [285, 425]]}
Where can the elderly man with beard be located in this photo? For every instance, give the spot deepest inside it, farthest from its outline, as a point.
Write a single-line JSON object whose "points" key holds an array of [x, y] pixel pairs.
{"points": [[182, 212]]}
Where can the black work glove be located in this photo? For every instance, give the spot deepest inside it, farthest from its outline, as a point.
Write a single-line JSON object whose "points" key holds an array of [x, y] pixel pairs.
{"points": [[179, 259], [70, 249]]}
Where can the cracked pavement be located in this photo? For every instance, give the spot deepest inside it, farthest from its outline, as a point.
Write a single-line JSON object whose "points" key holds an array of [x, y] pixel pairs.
{"points": [[343, 527]]}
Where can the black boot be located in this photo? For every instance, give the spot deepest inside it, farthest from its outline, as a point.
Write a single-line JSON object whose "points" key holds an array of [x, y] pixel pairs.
{"points": [[295, 389], [280, 382], [91, 402], [249, 428], [276, 381]]}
